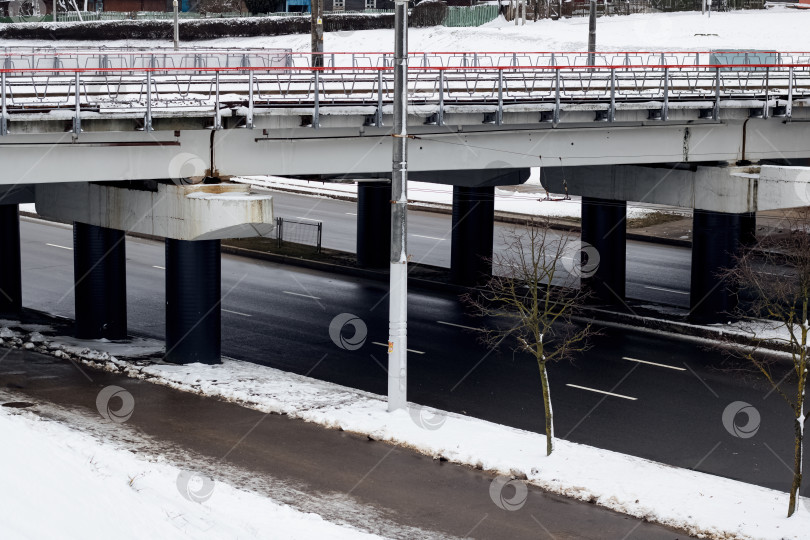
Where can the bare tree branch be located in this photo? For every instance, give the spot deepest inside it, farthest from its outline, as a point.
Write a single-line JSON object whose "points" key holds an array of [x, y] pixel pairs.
{"points": [[531, 299]]}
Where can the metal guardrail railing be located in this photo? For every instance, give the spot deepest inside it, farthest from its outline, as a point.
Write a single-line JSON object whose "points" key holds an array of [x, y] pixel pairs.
{"points": [[210, 81], [307, 233]]}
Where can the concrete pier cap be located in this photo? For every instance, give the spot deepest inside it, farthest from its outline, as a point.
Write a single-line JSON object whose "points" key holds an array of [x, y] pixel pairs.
{"points": [[175, 211], [716, 188]]}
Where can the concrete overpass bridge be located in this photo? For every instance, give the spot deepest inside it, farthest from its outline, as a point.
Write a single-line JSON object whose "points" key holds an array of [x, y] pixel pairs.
{"points": [[128, 139]]}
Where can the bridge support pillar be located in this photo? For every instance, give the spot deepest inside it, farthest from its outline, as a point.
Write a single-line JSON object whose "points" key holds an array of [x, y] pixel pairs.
{"points": [[10, 269], [193, 295], [373, 224], [716, 240], [473, 220], [748, 228], [604, 228], [99, 274]]}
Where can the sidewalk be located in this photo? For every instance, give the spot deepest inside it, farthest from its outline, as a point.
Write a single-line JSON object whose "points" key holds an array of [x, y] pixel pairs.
{"points": [[376, 487]]}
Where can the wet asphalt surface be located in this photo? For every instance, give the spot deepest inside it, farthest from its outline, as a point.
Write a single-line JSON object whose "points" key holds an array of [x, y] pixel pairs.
{"points": [[668, 411]]}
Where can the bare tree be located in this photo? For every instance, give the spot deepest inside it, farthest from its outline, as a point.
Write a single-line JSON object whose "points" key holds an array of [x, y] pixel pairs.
{"points": [[773, 279], [531, 298]]}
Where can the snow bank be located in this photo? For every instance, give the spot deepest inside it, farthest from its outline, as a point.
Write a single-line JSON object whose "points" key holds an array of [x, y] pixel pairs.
{"points": [[699, 503], [65, 484]]}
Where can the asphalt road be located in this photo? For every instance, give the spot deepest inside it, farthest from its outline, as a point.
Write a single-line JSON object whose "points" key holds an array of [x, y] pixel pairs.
{"points": [[667, 408], [656, 273]]}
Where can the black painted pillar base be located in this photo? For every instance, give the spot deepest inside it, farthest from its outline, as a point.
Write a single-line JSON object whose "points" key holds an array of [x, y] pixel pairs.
{"points": [[716, 241], [100, 277], [373, 224], [471, 249], [193, 294], [604, 237], [748, 228], [10, 269]]}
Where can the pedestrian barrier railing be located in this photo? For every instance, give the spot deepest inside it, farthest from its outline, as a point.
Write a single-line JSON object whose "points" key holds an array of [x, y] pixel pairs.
{"points": [[222, 81], [307, 233]]}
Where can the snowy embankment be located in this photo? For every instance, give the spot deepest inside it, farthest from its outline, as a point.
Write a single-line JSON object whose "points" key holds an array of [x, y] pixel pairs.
{"points": [[774, 29], [699, 503], [60, 483]]}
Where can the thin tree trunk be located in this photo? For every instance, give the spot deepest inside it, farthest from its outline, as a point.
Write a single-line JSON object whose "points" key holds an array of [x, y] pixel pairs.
{"points": [[798, 426], [547, 406], [797, 465]]}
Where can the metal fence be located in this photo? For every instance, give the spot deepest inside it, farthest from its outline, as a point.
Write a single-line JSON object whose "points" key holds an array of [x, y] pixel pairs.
{"points": [[555, 9], [73, 16], [470, 16], [306, 233], [231, 81]]}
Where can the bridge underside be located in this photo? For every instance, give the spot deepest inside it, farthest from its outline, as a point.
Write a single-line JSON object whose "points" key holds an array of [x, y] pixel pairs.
{"points": [[107, 149]]}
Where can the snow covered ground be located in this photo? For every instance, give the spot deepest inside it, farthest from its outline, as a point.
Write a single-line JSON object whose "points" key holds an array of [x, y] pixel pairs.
{"points": [[699, 503], [776, 28], [61, 483]]}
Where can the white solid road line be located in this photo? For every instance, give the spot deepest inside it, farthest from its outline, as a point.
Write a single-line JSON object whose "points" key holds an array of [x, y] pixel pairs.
{"points": [[159, 267], [676, 368], [458, 325], [350, 214], [428, 237], [601, 392], [60, 247], [386, 346], [306, 218], [299, 294], [665, 290], [237, 312]]}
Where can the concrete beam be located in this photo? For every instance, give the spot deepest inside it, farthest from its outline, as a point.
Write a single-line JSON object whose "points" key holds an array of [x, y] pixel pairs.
{"points": [[16, 194], [179, 212], [296, 151], [497, 174], [718, 189]]}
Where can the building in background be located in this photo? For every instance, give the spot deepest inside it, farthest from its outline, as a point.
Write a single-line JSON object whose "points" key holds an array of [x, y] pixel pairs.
{"points": [[298, 6], [135, 5], [356, 5]]}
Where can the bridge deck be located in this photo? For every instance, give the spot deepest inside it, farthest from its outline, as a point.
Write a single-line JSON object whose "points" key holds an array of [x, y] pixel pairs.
{"points": [[148, 108]]}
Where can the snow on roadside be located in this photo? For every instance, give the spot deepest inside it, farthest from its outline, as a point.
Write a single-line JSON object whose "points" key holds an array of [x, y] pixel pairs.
{"points": [[66, 484], [522, 202], [699, 503]]}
